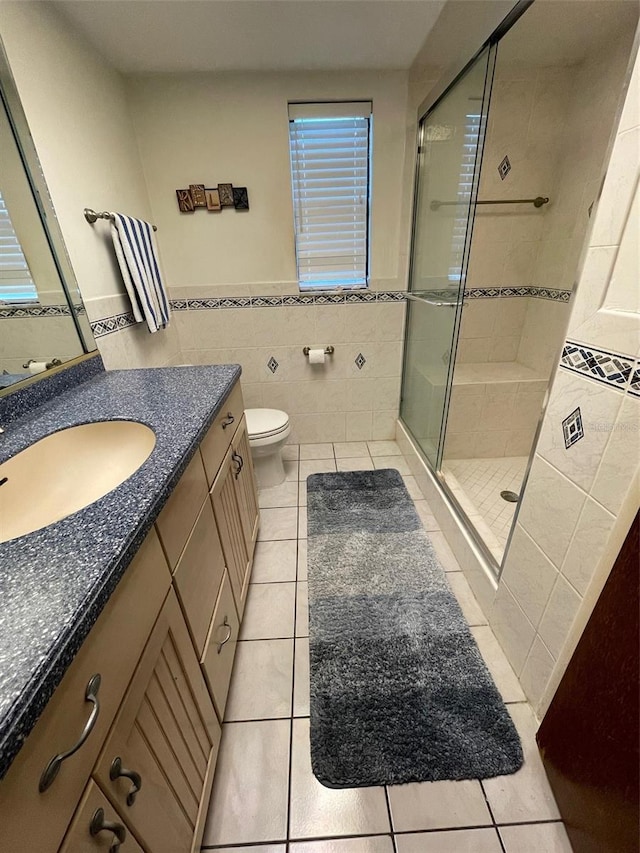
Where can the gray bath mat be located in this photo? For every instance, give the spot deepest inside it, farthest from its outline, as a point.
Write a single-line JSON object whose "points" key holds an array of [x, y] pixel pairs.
{"points": [[399, 690]]}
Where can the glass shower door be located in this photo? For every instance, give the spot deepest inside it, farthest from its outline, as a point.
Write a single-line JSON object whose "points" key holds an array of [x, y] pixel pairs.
{"points": [[450, 140]]}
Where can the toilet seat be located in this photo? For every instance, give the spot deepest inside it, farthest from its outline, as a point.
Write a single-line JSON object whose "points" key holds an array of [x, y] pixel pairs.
{"points": [[266, 423]]}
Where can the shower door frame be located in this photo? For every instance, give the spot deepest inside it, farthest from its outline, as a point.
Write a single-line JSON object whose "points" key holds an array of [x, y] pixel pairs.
{"points": [[427, 106]]}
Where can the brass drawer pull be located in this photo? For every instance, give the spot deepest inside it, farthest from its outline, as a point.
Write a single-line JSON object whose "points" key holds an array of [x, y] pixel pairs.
{"points": [[228, 420], [51, 770], [239, 462], [117, 771], [225, 624], [100, 824]]}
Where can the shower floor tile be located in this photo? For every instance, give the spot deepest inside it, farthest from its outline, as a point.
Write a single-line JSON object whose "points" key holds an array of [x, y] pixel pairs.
{"points": [[477, 484], [265, 798]]}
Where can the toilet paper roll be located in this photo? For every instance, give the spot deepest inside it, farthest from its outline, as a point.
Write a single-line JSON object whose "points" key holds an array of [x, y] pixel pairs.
{"points": [[316, 356], [37, 367]]}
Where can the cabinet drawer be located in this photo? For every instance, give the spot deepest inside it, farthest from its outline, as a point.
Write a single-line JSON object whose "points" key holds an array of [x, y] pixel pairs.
{"points": [[217, 661], [225, 508], [168, 734], [79, 838], [179, 514], [38, 821], [217, 440], [198, 575]]}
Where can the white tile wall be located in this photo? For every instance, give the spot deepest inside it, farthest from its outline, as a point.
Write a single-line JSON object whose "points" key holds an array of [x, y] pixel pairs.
{"points": [[550, 508], [336, 401], [599, 406], [529, 575], [134, 346], [574, 496], [554, 124]]}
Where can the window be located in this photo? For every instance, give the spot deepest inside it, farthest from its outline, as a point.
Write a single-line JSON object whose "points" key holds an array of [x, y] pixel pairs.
{"points": [[16, 284], [330, 147]]}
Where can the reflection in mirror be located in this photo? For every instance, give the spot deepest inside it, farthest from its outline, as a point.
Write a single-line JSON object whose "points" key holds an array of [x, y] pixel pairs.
{"points": [[42, 320]]}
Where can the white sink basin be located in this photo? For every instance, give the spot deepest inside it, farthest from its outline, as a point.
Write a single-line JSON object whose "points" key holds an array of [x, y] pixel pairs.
{"points": [[68, 470]]}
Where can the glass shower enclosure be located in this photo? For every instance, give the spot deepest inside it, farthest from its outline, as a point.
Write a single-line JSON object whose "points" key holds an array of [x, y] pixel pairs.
{"points": [[450, 142]]}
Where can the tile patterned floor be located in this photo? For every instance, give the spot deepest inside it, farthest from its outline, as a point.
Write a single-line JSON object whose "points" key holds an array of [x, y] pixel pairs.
{"points": [[265, 798], [477, 484]]}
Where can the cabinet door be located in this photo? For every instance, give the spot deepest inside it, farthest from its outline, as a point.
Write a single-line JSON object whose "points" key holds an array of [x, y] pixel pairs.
{"points": [[227, 513], [34, 821], [88, 820], [217, 660], [198, 575], [215, 444], [179, 514], [246, 490], [166, 738]]}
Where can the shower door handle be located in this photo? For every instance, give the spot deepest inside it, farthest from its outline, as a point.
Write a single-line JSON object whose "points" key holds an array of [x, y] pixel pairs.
{"points": [[434, 302]]}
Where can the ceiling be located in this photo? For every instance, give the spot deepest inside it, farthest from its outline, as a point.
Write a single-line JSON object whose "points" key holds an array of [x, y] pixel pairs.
{"points": [[254, 35]]}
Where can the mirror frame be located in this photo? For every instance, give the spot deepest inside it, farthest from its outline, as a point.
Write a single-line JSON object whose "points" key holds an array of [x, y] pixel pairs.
{"points": [[35, 176]]}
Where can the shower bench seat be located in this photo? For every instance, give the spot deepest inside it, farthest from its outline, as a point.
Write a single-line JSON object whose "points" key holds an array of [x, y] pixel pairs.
{"points": [[497, 373], [494, 410]]}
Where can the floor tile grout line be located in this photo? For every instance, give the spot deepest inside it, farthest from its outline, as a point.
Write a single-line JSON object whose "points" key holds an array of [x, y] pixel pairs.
{"points": [[261, 720], [402, 832], [264, 639], [387, 799], [495, 825]]}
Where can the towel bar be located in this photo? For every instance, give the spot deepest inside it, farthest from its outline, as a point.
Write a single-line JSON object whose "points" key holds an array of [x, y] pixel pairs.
{"points": [[91, 216]]}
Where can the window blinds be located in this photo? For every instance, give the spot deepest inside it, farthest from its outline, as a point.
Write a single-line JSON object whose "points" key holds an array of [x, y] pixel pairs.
{"points": [[472, 131], [16, 284], [329, 146]]}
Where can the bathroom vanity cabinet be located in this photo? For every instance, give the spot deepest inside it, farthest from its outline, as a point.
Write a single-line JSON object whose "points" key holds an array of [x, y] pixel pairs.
{"points": [[208, 529], [163, 646]]}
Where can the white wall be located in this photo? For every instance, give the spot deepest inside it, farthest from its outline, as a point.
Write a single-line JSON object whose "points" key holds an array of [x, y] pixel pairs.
{"points": [[215, 128], [78, 115]]}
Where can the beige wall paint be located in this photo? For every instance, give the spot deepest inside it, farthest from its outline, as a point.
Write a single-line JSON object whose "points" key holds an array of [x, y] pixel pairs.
{"points": [[77, 111], [215, 128]]}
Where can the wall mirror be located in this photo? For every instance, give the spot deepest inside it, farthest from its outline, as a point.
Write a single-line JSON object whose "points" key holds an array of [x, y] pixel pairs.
{"points": [[42, 318]]}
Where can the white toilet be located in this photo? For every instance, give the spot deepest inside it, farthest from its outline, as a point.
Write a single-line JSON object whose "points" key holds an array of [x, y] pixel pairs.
{"points": [[268, 431]]}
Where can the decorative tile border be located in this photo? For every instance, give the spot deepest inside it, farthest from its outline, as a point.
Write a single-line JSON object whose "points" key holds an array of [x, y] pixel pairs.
{"points": [[609, 368], [534, 292], [35, 311], [15, 311], [108, 325]]}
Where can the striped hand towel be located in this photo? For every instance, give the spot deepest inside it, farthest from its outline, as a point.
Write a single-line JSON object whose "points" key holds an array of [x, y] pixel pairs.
{"points": [[137, 255]]}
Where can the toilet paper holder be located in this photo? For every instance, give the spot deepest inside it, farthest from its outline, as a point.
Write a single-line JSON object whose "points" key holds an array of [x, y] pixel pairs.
{"points": [[327, 350], [55, 362]]}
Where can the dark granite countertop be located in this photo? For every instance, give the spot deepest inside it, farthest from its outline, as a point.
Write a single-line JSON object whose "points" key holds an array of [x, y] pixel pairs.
{"points": [[55, 582]]}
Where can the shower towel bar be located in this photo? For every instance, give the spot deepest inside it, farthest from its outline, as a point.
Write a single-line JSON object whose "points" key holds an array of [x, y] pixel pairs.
{"points": [[538, 201], [91, 216]]}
